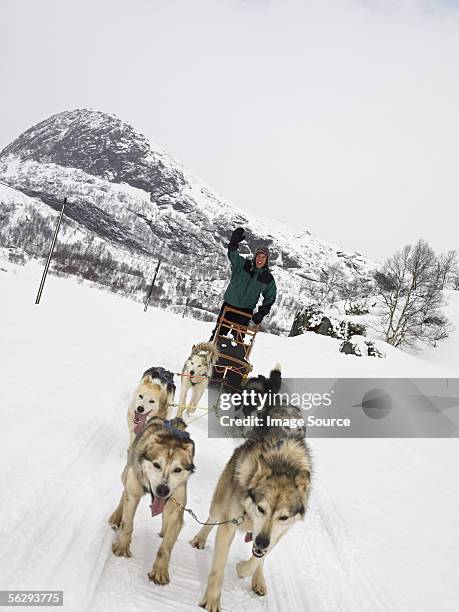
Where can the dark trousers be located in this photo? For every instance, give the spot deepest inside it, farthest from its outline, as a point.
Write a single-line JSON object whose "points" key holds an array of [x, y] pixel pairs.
{"points": [[232, 316]]}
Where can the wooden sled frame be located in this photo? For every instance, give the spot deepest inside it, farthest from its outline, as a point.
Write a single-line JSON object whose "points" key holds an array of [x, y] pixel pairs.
{"points": [[238, 366]]}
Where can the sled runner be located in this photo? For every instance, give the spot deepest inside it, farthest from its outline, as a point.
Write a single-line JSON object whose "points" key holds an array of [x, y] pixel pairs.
{"points": [[234, 342]]}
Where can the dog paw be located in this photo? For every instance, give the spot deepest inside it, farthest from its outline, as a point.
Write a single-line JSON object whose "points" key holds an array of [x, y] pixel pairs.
{"points": [[159, 575], [198, 543], [191, 409], [243, 569], [121, 550], [114, 521], [210, 602], [259, 585]]}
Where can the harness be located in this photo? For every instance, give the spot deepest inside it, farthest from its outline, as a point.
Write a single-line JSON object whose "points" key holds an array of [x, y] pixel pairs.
{"points": [[178, 433]]}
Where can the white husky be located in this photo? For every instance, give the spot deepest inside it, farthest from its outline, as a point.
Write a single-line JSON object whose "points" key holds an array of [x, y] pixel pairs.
{"points": [[153, 396], [196, 373]]}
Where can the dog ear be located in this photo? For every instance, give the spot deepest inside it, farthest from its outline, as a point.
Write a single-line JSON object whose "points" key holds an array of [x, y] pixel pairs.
{"points": [[193, 348], [261, 471], [189, 447], [302, 479], [266, 466], [146, 444], [147, 379]]}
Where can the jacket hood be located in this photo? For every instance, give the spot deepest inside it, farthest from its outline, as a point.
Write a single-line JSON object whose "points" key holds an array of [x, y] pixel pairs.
{"points": [[265, 250]]}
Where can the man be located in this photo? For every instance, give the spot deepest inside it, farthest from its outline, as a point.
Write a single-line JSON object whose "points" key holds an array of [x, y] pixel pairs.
{"points": [[249, 280]]}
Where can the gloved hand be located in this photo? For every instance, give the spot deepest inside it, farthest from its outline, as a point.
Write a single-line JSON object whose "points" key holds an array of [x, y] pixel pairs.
{"points": [[237, 236], [257, 318]]}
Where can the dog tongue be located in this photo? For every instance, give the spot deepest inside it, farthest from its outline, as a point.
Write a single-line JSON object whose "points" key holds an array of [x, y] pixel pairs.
{"points": [[248, 536], [140, 419], [157, 505]]}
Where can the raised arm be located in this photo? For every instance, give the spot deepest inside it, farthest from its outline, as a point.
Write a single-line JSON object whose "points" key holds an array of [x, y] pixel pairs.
{"points": [[236, 260]]}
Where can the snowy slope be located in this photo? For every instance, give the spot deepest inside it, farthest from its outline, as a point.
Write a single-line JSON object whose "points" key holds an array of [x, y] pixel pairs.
{"points": [[381, 530]]}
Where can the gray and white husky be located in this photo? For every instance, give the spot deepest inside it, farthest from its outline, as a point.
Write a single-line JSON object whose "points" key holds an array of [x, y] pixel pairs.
{"points": [[266, 486]]}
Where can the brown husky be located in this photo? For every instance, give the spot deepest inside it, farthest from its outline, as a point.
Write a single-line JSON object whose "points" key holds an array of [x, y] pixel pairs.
{"points": [[266, 485], [160, 461]]}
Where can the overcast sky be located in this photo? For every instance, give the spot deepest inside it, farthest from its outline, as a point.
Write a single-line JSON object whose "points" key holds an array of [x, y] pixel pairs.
{"points": [[337, 116]]}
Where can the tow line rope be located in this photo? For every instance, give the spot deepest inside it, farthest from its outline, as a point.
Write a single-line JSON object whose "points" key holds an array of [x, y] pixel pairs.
{"points": [[218, 380], [201, 415], [236, 520]]}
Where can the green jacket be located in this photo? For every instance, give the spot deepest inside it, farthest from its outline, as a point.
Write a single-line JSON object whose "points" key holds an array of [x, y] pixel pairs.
{"points": [[247, 284]]}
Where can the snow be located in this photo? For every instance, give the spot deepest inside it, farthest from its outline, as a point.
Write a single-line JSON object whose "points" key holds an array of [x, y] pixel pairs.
{"points": [[381, 530]]}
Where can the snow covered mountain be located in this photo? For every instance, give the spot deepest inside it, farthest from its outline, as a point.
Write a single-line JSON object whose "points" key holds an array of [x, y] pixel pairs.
{"points": [[130, 203]]}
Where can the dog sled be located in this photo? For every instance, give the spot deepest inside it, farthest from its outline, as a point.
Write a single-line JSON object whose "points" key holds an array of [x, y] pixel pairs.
{"points": [[234, 342]]}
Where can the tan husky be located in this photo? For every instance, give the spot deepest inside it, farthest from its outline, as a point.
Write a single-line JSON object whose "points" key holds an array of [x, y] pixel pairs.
{"points": [[196, 373], [153, 396], [160, 461], [265, 485]]}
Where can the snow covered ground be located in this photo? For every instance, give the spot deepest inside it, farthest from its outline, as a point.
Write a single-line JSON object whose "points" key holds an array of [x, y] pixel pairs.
{"points": [[381, 531]]}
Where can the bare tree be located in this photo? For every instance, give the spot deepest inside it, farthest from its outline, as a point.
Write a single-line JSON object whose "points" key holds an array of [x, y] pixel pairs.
{"points": [[408, 287], [327, 287], [447, 264], [455, 279]]}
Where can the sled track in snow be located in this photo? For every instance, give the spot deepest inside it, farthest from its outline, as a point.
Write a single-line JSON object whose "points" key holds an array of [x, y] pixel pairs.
{"points": [[59, 526]]}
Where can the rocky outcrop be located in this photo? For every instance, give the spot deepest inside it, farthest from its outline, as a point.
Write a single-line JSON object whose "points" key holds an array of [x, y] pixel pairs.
{"points": [[361, 347], [312, 319]]}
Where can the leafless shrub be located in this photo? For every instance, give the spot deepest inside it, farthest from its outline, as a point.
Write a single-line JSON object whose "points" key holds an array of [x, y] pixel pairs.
{"points": [[409, 289]]}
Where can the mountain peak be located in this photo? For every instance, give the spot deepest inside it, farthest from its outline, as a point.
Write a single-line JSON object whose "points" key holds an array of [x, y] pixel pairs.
{"points": [[98, 143]]}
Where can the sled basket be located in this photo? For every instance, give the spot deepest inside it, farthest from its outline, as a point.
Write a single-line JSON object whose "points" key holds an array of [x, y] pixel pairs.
{"points": [[234, 342]]}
